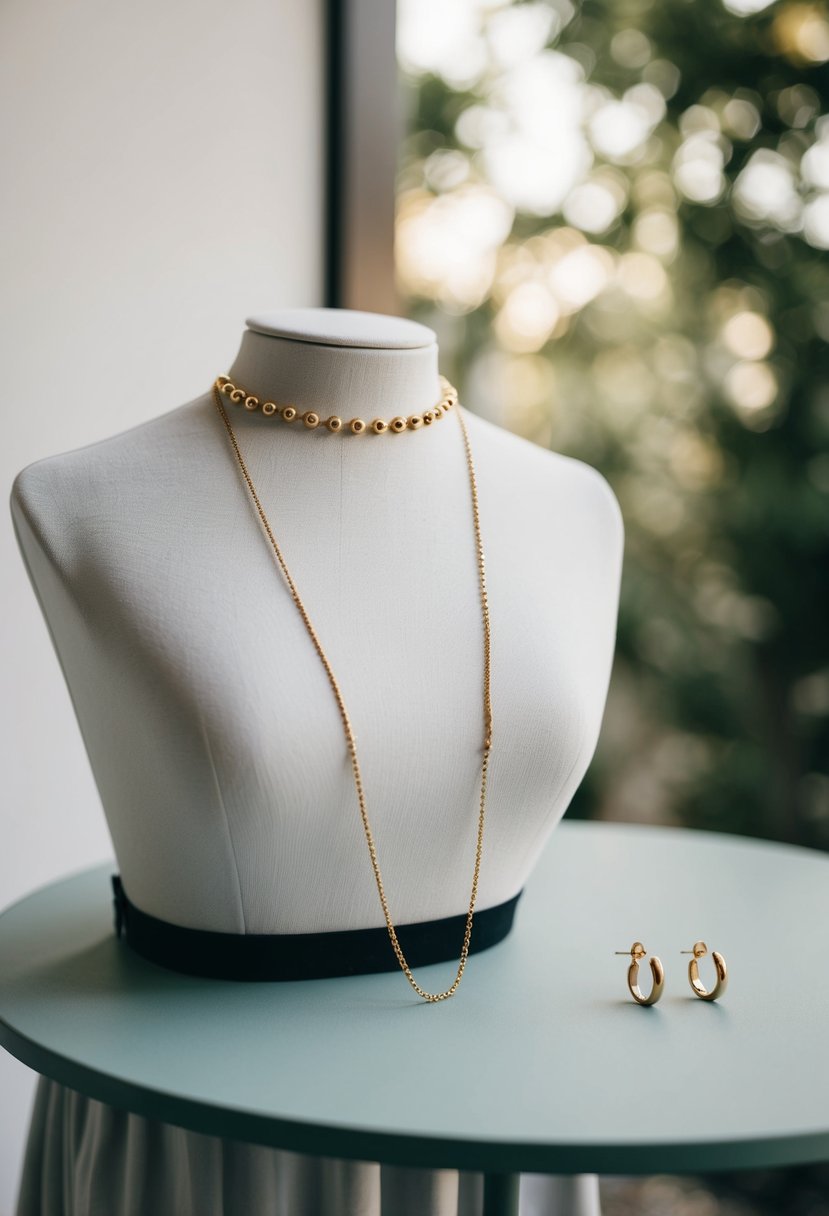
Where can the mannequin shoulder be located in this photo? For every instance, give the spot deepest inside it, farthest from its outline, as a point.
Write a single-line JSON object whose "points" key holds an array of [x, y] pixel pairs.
{"points": [[538, 481], [57, 498]]}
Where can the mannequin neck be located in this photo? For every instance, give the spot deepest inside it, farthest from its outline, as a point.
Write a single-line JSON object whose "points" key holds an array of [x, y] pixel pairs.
{"points": [[325, 360]]}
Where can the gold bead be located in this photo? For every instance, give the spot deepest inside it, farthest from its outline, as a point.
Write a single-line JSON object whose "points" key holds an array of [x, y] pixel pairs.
{"points": [[334, 423], [251, 403], [379, 426], [289, 413], [268, 407], [398, 424], [357, 426], [311, 419], [416, 421], [429, 417], [237, 394], [222, 381]]}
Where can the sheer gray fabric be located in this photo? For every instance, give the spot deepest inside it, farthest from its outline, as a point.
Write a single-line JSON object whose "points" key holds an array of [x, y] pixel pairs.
{"points": [[84, 1158]]}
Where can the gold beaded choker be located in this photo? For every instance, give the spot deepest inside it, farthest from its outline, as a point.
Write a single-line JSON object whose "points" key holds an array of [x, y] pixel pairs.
{"points": [[357, 426]]}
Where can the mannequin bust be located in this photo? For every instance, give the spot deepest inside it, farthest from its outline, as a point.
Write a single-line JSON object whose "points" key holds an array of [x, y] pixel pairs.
{"points": [[209, 721]]}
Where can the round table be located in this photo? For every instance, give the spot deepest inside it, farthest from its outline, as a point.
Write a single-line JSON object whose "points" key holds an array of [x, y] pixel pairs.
{"points": [[540, 1063]]}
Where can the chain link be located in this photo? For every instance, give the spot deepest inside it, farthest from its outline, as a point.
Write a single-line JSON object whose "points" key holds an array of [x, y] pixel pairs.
{"points": [[349, 733]]}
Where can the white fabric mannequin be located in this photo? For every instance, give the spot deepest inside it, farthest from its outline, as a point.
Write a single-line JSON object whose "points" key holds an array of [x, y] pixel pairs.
{"points": [[210, 724]]}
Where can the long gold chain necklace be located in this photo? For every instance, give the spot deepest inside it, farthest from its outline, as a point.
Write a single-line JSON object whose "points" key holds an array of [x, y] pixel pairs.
{"points": [[222, 386]]}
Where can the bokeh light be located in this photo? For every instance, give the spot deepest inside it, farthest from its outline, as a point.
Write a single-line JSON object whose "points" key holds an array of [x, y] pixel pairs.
{"points": [[620, 238]]}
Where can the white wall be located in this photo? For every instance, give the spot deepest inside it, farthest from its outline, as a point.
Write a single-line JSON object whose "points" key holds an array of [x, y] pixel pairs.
{"points": [[162, 169]]}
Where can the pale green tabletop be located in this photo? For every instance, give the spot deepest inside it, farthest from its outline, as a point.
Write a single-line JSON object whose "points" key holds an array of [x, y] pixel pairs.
{"points": [[540, 1063]]}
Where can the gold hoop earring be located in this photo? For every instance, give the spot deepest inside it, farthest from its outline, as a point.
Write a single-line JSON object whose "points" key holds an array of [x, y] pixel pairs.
{"points": [[699, 951], [637, 952]]}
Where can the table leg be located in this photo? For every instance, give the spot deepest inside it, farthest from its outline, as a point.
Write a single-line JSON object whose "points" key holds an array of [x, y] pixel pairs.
{"points": [[501, 1194]]}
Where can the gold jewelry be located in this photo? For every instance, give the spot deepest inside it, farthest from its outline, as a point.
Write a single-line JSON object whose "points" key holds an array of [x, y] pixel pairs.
{"points": [[637, 952], [357, 426], [349, 733], [699, 951]]}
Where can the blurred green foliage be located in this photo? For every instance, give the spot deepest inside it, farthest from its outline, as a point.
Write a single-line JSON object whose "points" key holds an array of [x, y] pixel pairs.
{"points": [[615, 215]]}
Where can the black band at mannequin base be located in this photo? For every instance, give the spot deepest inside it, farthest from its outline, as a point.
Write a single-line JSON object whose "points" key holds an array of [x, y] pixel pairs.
{"points": [[302, 956]]}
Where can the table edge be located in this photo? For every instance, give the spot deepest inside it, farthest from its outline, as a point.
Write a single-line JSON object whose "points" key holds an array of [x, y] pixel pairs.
{"points": [[414, 1149]]}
